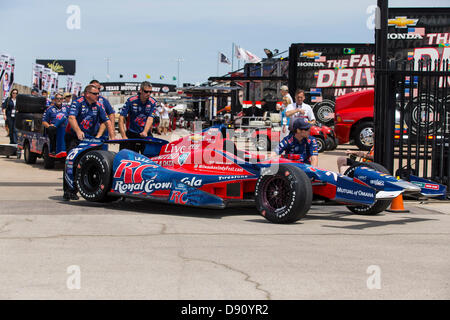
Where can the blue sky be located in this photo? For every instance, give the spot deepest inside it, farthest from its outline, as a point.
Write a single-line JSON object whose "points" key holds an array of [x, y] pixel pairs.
{"points": [[147, 37]]}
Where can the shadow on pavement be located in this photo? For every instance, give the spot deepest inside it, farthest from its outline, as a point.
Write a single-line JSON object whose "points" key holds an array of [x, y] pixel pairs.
{"points": [[152, 207]]}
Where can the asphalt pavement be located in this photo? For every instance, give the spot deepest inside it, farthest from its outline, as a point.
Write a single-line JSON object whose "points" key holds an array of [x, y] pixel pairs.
{"points": [[51, 249]]}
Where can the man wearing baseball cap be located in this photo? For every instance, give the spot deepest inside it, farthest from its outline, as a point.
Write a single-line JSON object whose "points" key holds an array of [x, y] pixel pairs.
{"points": [[300, 142]]}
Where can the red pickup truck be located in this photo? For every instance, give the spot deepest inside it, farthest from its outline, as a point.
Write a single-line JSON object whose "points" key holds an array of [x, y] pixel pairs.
{"points": [[354, 118]]}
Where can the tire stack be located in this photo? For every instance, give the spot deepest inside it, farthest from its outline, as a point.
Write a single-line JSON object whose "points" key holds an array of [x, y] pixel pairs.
{"points": [[29, 112]]}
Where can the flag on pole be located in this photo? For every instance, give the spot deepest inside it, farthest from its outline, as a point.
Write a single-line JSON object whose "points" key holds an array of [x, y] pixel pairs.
{"points": [[134, 75], [161, 77], [246, 55], [147, 76], [224, 59]]}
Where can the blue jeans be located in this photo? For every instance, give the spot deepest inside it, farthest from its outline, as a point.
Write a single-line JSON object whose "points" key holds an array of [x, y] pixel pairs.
{"points": [[12, 130]]}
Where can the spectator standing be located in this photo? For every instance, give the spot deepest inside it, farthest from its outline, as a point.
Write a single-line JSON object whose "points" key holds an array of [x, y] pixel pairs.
{"points": [[9, 114], [164, 118], [300, 109]]}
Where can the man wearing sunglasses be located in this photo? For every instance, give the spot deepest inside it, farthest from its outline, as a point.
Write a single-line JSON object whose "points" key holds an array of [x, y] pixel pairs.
{"points": [[55, 121], [110, 112], [140, 110], [87, 119], [300, 143]]}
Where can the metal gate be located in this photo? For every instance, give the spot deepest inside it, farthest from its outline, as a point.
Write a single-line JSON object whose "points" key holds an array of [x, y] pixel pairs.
{"points": [[416, 120]]}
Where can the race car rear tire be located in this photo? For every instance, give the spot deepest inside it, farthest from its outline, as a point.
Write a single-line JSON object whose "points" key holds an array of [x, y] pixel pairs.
{"points": [[284, 197], [379, 205], [49, 162], [93, 176], [29, 157]]}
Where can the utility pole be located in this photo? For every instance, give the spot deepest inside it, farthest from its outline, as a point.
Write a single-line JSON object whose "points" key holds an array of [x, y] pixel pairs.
{"points": [[107, 68], [179, 60]]}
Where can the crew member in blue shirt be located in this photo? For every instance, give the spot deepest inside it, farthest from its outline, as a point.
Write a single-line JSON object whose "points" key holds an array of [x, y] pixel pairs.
{"points": [[55, 121], [140, 110], [110, 112], [87, 119], [300, 142]]}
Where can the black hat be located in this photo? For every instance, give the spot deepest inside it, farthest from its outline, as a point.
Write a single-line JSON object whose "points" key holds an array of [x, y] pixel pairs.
{"points": [[301, 123], [34, 90]]}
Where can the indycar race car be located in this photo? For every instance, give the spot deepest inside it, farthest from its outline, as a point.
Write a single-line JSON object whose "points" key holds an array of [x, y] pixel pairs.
{"points": [[207, 170]]}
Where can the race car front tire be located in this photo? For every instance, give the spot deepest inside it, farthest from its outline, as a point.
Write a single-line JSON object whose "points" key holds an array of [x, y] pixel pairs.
{"points": [[283, 197], [93, 176], [379, 205]]}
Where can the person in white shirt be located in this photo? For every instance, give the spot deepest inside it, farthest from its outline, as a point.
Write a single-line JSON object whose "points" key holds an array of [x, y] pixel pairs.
{"points": [[164, 118], [300, 109], [285, 93]]}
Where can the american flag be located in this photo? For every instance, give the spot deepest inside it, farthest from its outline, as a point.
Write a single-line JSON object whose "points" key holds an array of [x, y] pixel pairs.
{"points": [[419, 31], [320, 59], [315, 90], [316, 99]]}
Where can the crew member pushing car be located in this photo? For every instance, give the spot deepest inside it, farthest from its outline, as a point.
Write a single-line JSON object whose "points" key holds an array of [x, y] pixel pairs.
{"points": [[110, 112], [87, 119], [299, 142], [141, 110], [55, 121]]}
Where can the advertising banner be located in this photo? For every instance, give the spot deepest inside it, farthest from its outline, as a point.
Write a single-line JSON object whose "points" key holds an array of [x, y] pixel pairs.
{"points": [[62, 67], [8, 77], [69, 84]]}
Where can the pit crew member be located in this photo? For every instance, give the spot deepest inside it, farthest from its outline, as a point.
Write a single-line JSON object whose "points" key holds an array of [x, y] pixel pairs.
{"points": [[300, 143], [141, 110], [87, 119], [110, 112], [55, 120]]}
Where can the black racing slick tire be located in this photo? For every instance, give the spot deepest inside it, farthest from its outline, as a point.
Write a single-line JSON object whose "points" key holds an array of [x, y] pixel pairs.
{"points": [[283, 197], [379, 205], [93, 176]]}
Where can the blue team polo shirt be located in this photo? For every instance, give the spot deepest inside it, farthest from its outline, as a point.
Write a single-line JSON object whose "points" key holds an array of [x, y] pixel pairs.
{"points": [[53, 114], [138, 112], [89, 116], [106, 105], [305, 148]]}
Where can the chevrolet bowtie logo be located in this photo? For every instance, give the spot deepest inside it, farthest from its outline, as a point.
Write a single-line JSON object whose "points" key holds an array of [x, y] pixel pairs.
{"points": [[310, 54], [402, 22]]}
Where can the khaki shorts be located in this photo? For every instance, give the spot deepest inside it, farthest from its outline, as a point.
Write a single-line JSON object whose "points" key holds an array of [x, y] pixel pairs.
{"points": [[164, 123]]}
